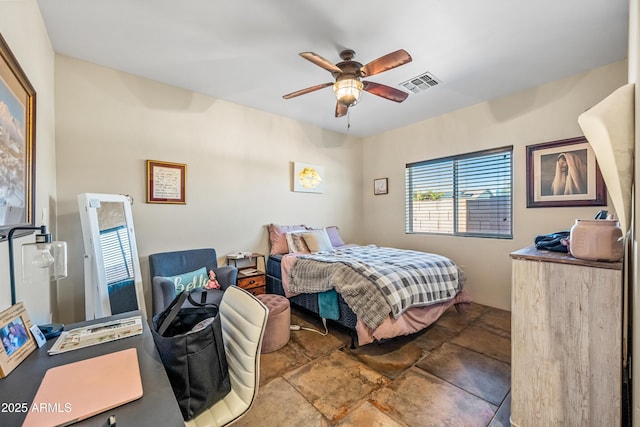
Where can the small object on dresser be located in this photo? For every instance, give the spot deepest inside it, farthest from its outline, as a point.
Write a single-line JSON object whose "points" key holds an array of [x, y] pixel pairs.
{"points": [[556, 242], [597, 240], [249, 271], [239, 255]]}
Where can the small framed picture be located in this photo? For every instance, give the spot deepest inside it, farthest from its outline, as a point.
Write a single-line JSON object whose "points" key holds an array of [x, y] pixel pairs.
{"points": [[17, 342], [166, 182], [380, 186]]}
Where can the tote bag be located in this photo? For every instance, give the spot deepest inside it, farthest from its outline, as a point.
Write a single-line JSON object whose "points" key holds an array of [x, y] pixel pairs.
{"points": [[189, 341]]}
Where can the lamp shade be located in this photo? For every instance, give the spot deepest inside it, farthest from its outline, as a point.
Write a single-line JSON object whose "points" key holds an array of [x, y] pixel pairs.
{"points": [[48, 256], [610, 129], [348, 91]]}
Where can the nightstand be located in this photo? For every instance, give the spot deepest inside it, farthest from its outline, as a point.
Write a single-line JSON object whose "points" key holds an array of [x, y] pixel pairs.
{"points": [[251, 273]]}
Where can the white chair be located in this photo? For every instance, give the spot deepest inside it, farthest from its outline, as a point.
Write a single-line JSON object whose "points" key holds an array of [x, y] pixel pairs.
{"points": [[244, 319]]}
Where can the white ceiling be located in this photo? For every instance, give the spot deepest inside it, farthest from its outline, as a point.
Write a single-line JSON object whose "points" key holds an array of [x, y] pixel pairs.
{"points": [[246, 51]]}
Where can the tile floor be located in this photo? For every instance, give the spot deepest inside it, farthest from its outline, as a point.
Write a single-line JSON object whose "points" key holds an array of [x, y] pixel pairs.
{"points": [[456, 373]]}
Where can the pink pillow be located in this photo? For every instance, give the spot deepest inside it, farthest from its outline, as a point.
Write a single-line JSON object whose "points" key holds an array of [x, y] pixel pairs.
{"points": [[278, 237], [334, 236]]}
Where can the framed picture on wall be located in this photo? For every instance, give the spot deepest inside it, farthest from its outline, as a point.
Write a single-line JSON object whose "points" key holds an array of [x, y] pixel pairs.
{"points": [[166, 182], [307, 178], [564, 173], [17, 143], [380, 186]]}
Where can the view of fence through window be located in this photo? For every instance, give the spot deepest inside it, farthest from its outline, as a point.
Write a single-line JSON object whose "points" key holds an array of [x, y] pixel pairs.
{"points": [[461, 195]]}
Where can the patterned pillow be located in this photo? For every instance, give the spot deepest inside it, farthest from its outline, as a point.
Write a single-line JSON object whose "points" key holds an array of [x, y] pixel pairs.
{"points": [[188, 281], [296, 242], [278, 238]]}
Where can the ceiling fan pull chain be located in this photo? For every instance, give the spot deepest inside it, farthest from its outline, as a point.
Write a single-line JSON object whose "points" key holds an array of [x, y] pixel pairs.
{"points": [[348, 121]]}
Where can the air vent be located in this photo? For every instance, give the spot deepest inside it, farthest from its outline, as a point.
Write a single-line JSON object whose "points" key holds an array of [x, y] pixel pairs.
{"points": [[420, 83]]}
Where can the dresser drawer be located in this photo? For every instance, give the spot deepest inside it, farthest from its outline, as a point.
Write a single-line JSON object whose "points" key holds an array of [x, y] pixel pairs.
{"points": [[252, 281]]}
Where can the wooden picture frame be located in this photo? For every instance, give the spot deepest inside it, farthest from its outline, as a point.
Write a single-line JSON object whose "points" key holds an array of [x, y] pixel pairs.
{"points": [[564, 173], [17, 143], [380, 186], [16, 340], [166, 182]]}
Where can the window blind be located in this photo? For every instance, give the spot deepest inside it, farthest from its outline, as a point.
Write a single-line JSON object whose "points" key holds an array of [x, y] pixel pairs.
{"points": [[467, 195], [116, 252]]}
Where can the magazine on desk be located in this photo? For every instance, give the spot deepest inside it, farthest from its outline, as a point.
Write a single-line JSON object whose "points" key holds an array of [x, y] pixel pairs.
{"points": [[97, 334]]}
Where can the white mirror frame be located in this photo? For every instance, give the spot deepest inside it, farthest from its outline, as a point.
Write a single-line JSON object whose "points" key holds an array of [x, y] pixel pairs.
{"points": [[96, 299]]}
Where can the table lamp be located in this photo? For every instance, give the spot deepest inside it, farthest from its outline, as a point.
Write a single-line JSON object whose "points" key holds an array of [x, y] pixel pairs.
{"points": [[36, 257]]}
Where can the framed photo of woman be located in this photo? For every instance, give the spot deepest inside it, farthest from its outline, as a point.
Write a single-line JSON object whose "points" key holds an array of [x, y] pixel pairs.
{"points": [[564, 173]]}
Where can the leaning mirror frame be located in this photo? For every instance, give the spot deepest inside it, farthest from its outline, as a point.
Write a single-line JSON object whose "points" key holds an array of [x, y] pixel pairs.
{"points": [[113, 279]]}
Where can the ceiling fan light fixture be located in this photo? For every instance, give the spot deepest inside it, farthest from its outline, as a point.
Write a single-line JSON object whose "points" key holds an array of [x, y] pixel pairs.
{"points": [[348, 91]]}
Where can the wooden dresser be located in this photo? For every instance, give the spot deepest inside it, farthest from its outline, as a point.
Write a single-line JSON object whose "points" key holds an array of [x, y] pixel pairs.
{"points": [[566, 340]]}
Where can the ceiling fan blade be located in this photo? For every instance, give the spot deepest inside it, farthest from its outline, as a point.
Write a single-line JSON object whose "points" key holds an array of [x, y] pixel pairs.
{"points": [[341, 109], [385, 91], [321, 62], [307, 90], [386, 62]]}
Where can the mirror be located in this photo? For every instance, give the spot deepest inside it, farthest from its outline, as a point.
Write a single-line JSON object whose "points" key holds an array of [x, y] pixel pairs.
{"points": [[113, 281]]}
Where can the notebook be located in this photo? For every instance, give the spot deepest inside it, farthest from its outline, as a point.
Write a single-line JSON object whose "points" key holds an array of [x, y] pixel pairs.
{"points": [[79, 390]]}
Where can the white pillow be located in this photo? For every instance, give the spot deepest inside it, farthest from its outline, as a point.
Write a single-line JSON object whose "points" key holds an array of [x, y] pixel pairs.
{"points": [[317, 240]]}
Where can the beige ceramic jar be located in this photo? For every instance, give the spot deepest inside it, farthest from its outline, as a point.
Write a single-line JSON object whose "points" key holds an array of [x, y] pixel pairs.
{"points": [[596, 240]]}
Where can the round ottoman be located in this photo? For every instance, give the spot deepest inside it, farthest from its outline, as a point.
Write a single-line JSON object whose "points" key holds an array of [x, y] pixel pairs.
{"points": [[277, 332]]}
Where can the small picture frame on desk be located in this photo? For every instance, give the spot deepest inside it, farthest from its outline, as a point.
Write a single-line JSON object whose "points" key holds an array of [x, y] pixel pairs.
{"points": [[17, 342]]}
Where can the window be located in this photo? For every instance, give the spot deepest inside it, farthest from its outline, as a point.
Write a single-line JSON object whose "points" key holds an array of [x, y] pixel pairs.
{"points": [[116, 251], [466, 195]]}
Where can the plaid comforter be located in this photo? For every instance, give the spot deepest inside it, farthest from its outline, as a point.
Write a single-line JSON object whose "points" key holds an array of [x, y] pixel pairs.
{"points": [[404, 278]]}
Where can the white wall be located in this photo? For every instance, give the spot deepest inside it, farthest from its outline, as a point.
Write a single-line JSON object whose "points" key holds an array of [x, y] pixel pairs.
{"points": [[542, 114], [238, 167], [22, 27]]}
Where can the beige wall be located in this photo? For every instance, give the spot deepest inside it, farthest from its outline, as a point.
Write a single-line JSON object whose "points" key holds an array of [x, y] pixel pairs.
{"points": [[238, 167], [541, 114], [22, 27]]}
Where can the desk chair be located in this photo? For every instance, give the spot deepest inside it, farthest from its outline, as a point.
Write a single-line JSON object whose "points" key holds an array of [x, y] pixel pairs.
{"points": [[244, 319]]}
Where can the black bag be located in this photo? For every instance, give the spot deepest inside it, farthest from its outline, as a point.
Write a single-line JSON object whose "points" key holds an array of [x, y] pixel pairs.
{"points": [[194, 359], [553, 242]]}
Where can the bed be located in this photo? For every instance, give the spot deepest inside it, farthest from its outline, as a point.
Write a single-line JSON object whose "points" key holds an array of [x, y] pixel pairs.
{"points": [[354, 283]]}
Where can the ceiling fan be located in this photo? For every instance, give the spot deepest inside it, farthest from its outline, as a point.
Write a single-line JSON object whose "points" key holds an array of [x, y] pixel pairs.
{"points": [[348, 73]]}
